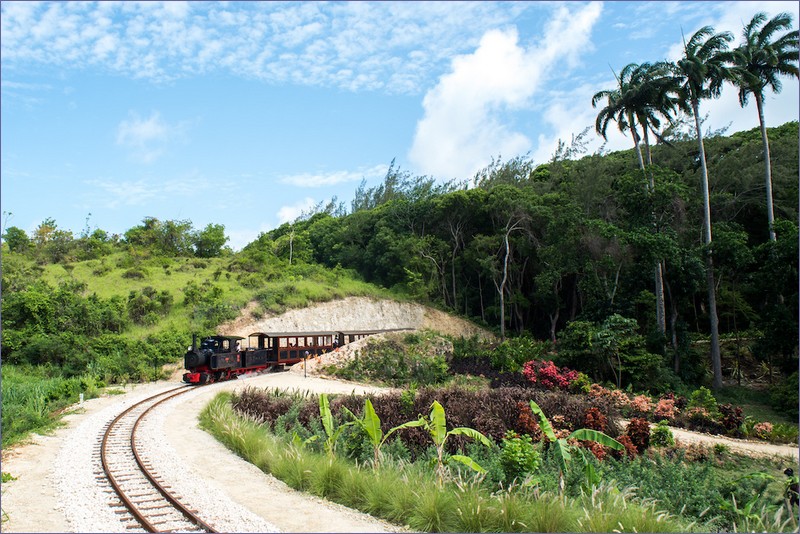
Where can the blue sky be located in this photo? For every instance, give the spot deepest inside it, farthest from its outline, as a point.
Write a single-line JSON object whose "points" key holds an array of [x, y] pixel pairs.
{"points": [[247, 113]]}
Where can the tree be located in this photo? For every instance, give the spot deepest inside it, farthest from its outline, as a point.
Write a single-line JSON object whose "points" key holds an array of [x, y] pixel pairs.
{"points": [[645, 92], [16, 239], [758, 63], [209, 242], [702, 71]]}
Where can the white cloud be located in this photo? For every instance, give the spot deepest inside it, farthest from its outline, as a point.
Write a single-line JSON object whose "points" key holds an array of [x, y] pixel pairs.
{"points": [[112, 193], [147, 138], [463, 127], [349, 45], [334, 178], [292, 212]]}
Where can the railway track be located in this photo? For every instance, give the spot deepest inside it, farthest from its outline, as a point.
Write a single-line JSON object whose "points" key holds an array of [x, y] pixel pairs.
{"points": [[145, 501]]}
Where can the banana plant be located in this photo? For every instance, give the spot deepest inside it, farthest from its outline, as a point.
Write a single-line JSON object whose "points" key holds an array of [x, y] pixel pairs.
{"points": [[436, 426], [371, 424], [328, 424], [563, 450]]}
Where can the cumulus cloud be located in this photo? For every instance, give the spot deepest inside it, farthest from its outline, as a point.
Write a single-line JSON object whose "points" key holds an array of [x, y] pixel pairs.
{"points": [[148, 137], [463, 126], [334, 178], [292, 212]]}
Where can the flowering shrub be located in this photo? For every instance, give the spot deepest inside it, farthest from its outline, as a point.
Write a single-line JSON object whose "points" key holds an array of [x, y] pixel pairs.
{"points": [[641, 405], [762, 430], [665, 409], [547, 375]]}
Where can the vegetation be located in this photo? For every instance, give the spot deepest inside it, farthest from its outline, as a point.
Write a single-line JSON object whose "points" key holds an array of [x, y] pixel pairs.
{"points": [[611, 295], [699, 488], [409, 493]]}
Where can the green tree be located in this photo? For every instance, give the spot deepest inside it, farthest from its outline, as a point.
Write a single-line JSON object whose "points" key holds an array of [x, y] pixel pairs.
{"points": [[643, 94], [208, 242], [16, 239], [702, 71], [758, 63]]}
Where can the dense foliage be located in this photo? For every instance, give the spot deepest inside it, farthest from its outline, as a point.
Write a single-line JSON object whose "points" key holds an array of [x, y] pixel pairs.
{"points": [[695, 483], [564, 251]]}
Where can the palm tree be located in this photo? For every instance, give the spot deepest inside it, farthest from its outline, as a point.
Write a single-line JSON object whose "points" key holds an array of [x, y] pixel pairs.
{"points": [[758, 63], [644, 92], [702, 71]]}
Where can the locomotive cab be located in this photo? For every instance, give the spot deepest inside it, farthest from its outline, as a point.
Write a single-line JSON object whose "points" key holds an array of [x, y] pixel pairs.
{"points": [[213, 359]]}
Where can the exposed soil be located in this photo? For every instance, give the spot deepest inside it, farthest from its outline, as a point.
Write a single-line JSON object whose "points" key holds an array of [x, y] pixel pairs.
{"points": [[31, 501]]}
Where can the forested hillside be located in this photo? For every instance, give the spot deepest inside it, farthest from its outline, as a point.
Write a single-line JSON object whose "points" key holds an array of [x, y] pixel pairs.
{"points": [[565, 250]]}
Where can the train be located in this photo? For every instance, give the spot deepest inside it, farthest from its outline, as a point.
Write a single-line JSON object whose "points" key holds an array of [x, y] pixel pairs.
{"points": [[220, 358]]}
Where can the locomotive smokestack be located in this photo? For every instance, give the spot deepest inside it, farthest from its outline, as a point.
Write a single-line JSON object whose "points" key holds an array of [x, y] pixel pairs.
{"points": [[194, 342]]}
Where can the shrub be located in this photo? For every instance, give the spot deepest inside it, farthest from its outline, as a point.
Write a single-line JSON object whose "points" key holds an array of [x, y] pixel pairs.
{"points": [[595, 420], [547, 375], [518, 456], [641, 405], [630, 448], [665, 409], [639, 432], [732, 418], [703, 398], [661, 435], [762, 430]]}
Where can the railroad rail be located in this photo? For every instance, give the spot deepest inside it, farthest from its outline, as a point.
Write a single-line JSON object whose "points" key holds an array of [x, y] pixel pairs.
{"points": [[146, 501]]}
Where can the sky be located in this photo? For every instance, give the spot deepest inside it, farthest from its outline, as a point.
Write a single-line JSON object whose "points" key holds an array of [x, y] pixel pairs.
{"points": [[248, 114]]}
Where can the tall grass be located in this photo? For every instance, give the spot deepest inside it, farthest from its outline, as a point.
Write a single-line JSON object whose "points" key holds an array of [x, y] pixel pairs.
{"points": [[408, 493], [32, 395]]}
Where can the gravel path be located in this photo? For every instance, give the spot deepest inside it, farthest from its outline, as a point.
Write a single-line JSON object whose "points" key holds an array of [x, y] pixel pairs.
{"points": [[56, 489]]}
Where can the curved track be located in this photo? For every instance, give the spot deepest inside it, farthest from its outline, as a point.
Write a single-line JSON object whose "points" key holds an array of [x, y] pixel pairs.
{"points": [[146, 501]]}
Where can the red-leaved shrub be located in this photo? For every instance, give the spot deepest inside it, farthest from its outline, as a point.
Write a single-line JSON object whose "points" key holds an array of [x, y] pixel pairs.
{"points": [[595, 420], [639, 432], [546, 374]]}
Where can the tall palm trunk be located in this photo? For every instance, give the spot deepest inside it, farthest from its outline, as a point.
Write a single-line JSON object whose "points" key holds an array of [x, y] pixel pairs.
{"points": [[767, 166], [658, 274], [716, 358]]}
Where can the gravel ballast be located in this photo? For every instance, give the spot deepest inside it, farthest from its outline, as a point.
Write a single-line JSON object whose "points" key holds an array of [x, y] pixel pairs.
{"points": [[57, 489]]}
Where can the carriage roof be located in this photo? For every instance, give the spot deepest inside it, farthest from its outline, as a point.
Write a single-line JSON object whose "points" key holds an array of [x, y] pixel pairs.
{"points": [[293, 334]]}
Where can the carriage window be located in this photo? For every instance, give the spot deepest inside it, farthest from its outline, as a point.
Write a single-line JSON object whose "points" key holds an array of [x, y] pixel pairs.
{"points": [[226, 345]]}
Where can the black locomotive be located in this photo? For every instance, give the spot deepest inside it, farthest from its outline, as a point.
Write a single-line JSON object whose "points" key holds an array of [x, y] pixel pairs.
{"points": [[224, 357]]}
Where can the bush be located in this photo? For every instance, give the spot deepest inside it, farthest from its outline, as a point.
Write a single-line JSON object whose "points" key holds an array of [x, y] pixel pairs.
{"points": [[546, 374], [639, 432], [783, 396], [661, 435], [732, 418], [518, 456], [703, 398]]}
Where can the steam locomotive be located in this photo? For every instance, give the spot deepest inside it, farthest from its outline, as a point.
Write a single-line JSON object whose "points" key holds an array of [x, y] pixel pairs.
{"points": [[224, 357]]}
